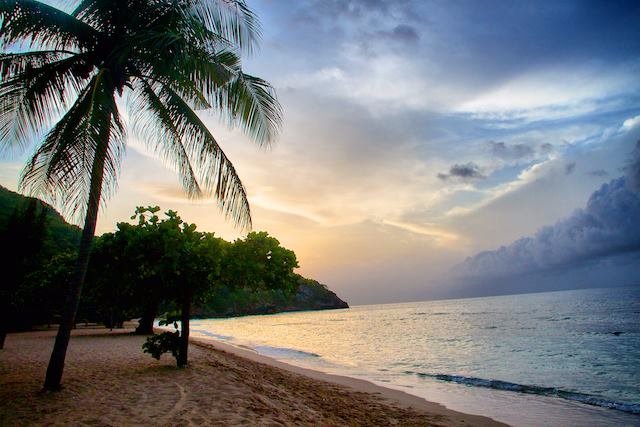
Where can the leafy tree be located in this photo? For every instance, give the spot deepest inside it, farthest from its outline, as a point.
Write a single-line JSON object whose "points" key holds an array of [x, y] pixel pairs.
{"points": [[189, 264], [256, 276], [169, 57], [259, 262], [125, 273]]}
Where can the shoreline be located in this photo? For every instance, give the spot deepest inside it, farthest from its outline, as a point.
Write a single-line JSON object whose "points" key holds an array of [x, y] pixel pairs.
{"points": [[109, 381], [400, 397]]}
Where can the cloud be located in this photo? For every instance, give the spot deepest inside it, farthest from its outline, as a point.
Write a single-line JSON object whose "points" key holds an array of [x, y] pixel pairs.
{"points": [[631, 123], [633, 168], [466, 172], [438, 234], [510, 152], [569, 168], [598, 173], [607, 226], [402, 33], [546, 148]]}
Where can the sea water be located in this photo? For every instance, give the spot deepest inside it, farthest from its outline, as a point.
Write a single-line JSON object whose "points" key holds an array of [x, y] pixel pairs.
{"points": [[555, 358]]}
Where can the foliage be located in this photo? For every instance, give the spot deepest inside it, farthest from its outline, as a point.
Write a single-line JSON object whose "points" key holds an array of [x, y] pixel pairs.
{"points": [[169, 318], [43, 291], [307, 294], [259, 262], [65, 84], [157, 345]]}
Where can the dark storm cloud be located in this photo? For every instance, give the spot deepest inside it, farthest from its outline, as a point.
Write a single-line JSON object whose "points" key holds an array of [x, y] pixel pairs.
{"points": [[358, 8], [546, 148], [606, 227], [465, 172]]}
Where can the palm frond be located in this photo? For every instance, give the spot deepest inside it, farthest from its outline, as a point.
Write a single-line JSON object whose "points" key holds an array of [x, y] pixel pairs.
{"points": [[230, 19], [35, 92], [154, 124], [43, 26], [251, 103], [242, 99], [12, 63], [60, 169], [216, 174], [194, 73]]}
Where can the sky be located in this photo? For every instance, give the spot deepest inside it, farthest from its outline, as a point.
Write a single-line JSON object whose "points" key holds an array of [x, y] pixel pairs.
{"points": [[434, 149]]}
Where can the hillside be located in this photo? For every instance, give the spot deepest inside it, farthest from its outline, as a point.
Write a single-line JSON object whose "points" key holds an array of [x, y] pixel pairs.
{"points": [[62, 235]]}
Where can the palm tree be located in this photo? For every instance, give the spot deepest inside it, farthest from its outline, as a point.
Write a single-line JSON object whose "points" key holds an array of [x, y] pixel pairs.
{"points": [[66, 77]]}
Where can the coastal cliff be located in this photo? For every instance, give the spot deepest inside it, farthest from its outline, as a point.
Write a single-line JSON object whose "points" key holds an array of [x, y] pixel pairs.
{"points": [[312, 295]]}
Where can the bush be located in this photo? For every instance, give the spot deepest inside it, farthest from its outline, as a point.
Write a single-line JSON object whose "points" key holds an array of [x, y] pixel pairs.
{"points": [[157, 345]]}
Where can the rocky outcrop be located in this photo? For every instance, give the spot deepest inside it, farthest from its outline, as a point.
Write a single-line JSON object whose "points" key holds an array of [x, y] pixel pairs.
{"points": [[309, 295], [312, 295]]}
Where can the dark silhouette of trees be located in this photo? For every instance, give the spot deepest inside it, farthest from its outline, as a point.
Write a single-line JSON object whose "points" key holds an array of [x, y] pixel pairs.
{"points": [[23, 239], [169, 57]]}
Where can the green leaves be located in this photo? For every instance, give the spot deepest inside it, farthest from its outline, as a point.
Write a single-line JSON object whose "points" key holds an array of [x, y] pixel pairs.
{"points": [[166, 342], [36, 89], [232, 20], [168, 57], [60, 169], [259, 262], [42, 25]]}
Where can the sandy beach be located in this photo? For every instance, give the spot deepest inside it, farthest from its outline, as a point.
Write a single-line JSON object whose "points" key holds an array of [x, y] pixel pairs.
{"points": [[109, 381]]}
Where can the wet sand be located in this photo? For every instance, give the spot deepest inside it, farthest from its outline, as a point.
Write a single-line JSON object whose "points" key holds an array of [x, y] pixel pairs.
{"points": [[108, 380]]}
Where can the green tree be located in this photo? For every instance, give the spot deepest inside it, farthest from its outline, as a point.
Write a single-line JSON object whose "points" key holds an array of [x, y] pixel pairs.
{"points": [[188, 262], [258, 262], [125, 272], [169, 57]]}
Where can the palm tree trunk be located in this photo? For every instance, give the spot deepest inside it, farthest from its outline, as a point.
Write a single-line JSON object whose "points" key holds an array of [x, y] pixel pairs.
{"points": [[184, 330], [67, 322]]}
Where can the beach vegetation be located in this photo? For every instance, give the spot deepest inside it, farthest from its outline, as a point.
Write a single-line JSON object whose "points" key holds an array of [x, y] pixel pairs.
{"points": [[165, 342], [66, 74], [144, 267]]}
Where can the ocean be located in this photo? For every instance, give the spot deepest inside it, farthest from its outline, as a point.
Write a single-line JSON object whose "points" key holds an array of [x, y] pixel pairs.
{"points": [[553, 359]]}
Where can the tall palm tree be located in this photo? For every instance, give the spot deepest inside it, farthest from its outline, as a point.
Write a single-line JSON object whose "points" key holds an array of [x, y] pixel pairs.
{"points": [[63, 74]]}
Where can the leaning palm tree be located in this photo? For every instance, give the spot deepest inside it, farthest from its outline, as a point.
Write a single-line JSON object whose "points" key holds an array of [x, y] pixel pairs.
{"points": [[68, 77]]}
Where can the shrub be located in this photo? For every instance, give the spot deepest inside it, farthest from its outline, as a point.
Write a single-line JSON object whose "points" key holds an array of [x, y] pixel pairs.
{"points": [[157, 345]]}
